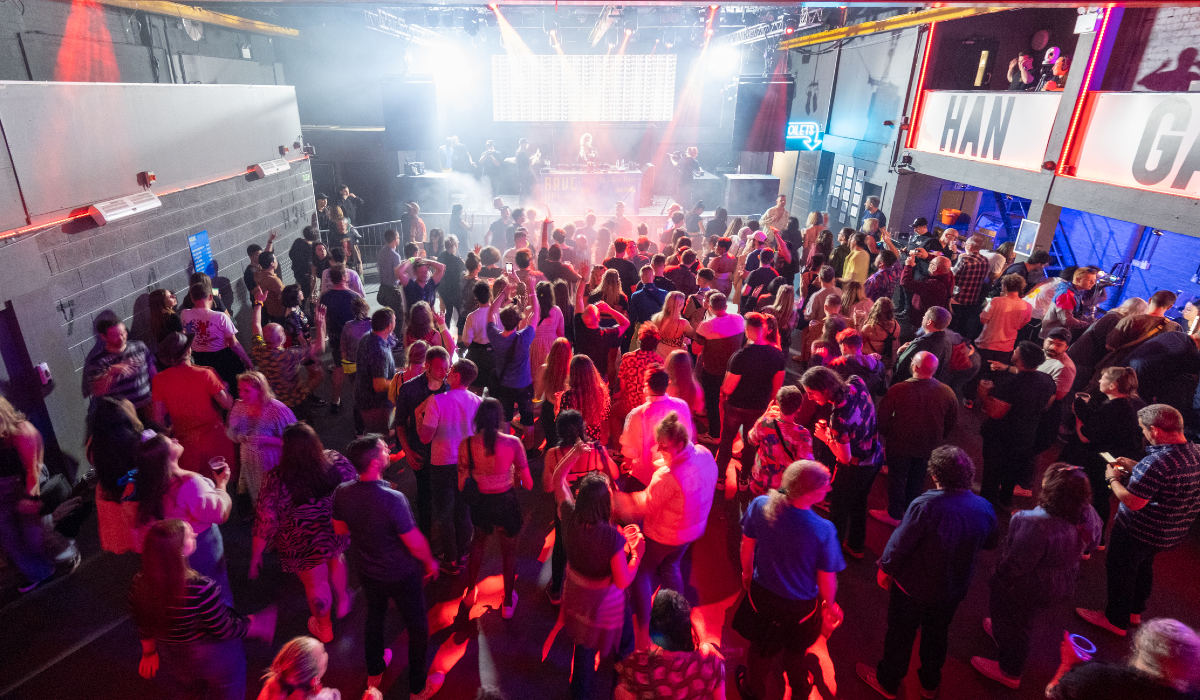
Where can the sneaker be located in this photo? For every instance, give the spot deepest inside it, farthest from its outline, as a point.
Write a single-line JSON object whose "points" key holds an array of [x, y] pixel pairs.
{"points": [[450, 568], [316, 400], [720, 484], [867, 674], [506, 611], [1098, 618], [555, 598], [928, 694], [743, 485], [859, 554], [1022, 492], [987, 627], [709, 440], [991, 669], [883, 517], [432, 685]]}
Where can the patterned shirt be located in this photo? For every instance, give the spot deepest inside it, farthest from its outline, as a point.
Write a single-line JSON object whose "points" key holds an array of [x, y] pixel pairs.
{"points": [[281, 367], [658, 674], [853, 422], [374, 361], [970, 272], [1169, 477], [198, 615], [883, 283], [632, 374], [772, 459], [134, 385]]}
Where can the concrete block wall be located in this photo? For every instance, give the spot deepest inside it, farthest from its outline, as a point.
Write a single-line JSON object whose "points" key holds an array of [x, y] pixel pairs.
{"points": [[58, 280], [803, 200], [1173, 31], [1101, 241]]}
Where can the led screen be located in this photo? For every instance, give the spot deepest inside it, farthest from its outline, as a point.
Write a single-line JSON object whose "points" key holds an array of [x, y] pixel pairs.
{"points": [[583, 88]]}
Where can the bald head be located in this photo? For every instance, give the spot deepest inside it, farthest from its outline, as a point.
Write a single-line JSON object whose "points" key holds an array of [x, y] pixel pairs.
{"points": [[273, 334], [924, 365], [940, 266]]}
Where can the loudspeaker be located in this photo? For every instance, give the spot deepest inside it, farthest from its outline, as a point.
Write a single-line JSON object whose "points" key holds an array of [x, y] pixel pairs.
{"points": [[409, 114], [761, 114], [750, 194]]}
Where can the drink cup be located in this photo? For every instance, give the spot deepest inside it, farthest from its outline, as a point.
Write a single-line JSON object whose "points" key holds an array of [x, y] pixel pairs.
{"points": [[217, 464], [1084, 647]]}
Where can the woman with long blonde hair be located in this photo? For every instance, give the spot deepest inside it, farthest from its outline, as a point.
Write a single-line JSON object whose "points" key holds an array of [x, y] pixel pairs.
{"points": [[671, 325], [784, 311], [609, 290], [683, 381], [20, 488], [588, 394]]}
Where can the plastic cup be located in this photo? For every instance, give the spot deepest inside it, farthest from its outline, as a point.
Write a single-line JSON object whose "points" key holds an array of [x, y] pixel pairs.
{"points": [[1084, 647], [217, 464]]}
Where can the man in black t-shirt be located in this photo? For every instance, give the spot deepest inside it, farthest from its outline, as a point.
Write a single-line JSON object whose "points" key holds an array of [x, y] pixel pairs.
{"points": [[408, 399], [1013, 409], [754, 375], [620, 262], [495, 233], [757, 281]]}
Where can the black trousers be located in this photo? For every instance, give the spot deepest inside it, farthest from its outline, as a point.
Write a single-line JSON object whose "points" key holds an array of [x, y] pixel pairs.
{"points": [[409, 596], [848, 502], [1130, 567], [711, 384], [905, 616]]}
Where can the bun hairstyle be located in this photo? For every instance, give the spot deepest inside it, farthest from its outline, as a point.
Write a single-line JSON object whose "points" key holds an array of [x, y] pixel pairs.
{"points": [[296, 666], [672, 429]]}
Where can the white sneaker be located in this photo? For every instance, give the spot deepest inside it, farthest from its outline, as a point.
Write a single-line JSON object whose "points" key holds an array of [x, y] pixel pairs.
{"points": [[883, 517], [1099, 619], [1022, 492], [506, 611], [991, 669]]}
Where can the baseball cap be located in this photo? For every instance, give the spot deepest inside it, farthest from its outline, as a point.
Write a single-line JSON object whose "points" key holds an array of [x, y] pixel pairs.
{"points": [[920, 221], [760, 236], [1060, 334]]}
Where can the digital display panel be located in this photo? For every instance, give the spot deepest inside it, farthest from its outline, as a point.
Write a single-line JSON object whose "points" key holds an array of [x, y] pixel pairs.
{"points": [[553, 88]]}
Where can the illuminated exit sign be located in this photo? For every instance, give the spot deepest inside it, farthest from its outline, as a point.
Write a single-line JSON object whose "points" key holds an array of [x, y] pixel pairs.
{"points": [[803, 136]]}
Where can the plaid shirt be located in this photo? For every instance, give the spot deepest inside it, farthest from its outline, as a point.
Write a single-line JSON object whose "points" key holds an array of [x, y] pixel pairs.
{"points": [[884, 283], [970, 272]]}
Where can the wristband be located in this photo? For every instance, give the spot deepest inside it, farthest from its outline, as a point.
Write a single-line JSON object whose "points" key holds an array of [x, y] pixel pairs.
{"points": [[258, 303]]}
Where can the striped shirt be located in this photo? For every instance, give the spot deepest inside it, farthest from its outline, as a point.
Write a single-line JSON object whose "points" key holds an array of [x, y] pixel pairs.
{"points": [[198, 615], [1169, 477], [134, 383]]}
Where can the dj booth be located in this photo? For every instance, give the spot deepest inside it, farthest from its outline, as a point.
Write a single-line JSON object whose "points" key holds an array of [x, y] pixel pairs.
{"points": [[575, 191]]}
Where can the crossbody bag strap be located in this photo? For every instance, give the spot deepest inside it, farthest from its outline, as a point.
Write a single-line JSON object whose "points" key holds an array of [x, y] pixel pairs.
{"points": [[782, 442]]}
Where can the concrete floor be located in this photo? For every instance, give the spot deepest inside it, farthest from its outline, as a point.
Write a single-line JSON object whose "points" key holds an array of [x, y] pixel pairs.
{"points": [[74, 637]]}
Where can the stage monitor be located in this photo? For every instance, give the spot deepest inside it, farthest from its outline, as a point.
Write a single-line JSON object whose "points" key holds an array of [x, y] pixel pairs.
{"points": [[583, 88]]}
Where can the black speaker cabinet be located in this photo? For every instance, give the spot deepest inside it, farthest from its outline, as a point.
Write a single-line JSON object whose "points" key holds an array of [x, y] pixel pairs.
{"points": [[409, 116], [761, 114], [750, 194]]}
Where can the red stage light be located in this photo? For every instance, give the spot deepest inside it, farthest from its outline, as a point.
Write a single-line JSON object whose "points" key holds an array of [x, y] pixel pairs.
{"points": [[789, 30]]}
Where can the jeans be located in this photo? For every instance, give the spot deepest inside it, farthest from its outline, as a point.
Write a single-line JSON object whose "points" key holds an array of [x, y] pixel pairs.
{"points": [[451, 514], [207, 668], [732, 420], [1012, 623], [522, 398], [409, 596], [904, 617], [209, 560], [21, 535], [711, 384], [906, 481], [848, 502], [661, 560], [1130, 569]]}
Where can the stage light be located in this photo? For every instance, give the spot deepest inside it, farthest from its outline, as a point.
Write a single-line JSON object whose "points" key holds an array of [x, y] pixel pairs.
{"points": [[789, 26]]}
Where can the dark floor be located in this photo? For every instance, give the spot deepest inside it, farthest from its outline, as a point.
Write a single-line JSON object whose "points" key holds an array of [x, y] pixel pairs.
{"points": [[73, 638]]}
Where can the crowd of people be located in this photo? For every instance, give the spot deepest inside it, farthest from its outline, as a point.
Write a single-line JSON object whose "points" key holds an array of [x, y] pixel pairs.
{"points": [[646, 373]]}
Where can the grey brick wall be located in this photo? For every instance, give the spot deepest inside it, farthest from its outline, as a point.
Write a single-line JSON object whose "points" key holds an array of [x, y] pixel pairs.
{"points": [[802, 200], [1173, 30], [58, 280]]}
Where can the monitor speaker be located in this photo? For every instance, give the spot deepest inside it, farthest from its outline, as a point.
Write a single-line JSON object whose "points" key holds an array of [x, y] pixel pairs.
{"points": [[761, 114], [409, 115]]}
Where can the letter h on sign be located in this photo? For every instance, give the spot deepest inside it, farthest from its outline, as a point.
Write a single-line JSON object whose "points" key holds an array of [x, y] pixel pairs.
{"points": [[953, 123]]}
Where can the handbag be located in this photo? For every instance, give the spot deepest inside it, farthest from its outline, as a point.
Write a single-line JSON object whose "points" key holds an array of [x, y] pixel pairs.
{"points": [[470, 489]]}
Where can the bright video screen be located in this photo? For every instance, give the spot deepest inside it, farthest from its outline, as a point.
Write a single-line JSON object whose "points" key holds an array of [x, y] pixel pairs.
{"points": [[583, 88]]}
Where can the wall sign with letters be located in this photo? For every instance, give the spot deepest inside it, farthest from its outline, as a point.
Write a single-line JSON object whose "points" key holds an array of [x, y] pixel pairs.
{"points": [[803, 136], [1149, 140], [1006, 128]]}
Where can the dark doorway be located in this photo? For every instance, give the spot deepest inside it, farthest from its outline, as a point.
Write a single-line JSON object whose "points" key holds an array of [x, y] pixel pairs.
{"points": [[971, 63], [23, 388]]}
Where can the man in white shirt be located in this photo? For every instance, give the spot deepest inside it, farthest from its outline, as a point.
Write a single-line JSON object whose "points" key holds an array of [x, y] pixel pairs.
{"points": [[637, 440], [443, 421], [721, 336], [815, 309], [215, 342]]}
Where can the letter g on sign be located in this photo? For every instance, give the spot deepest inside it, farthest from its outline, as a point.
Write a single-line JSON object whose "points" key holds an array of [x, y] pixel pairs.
{"points": [[1168, 143]]}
